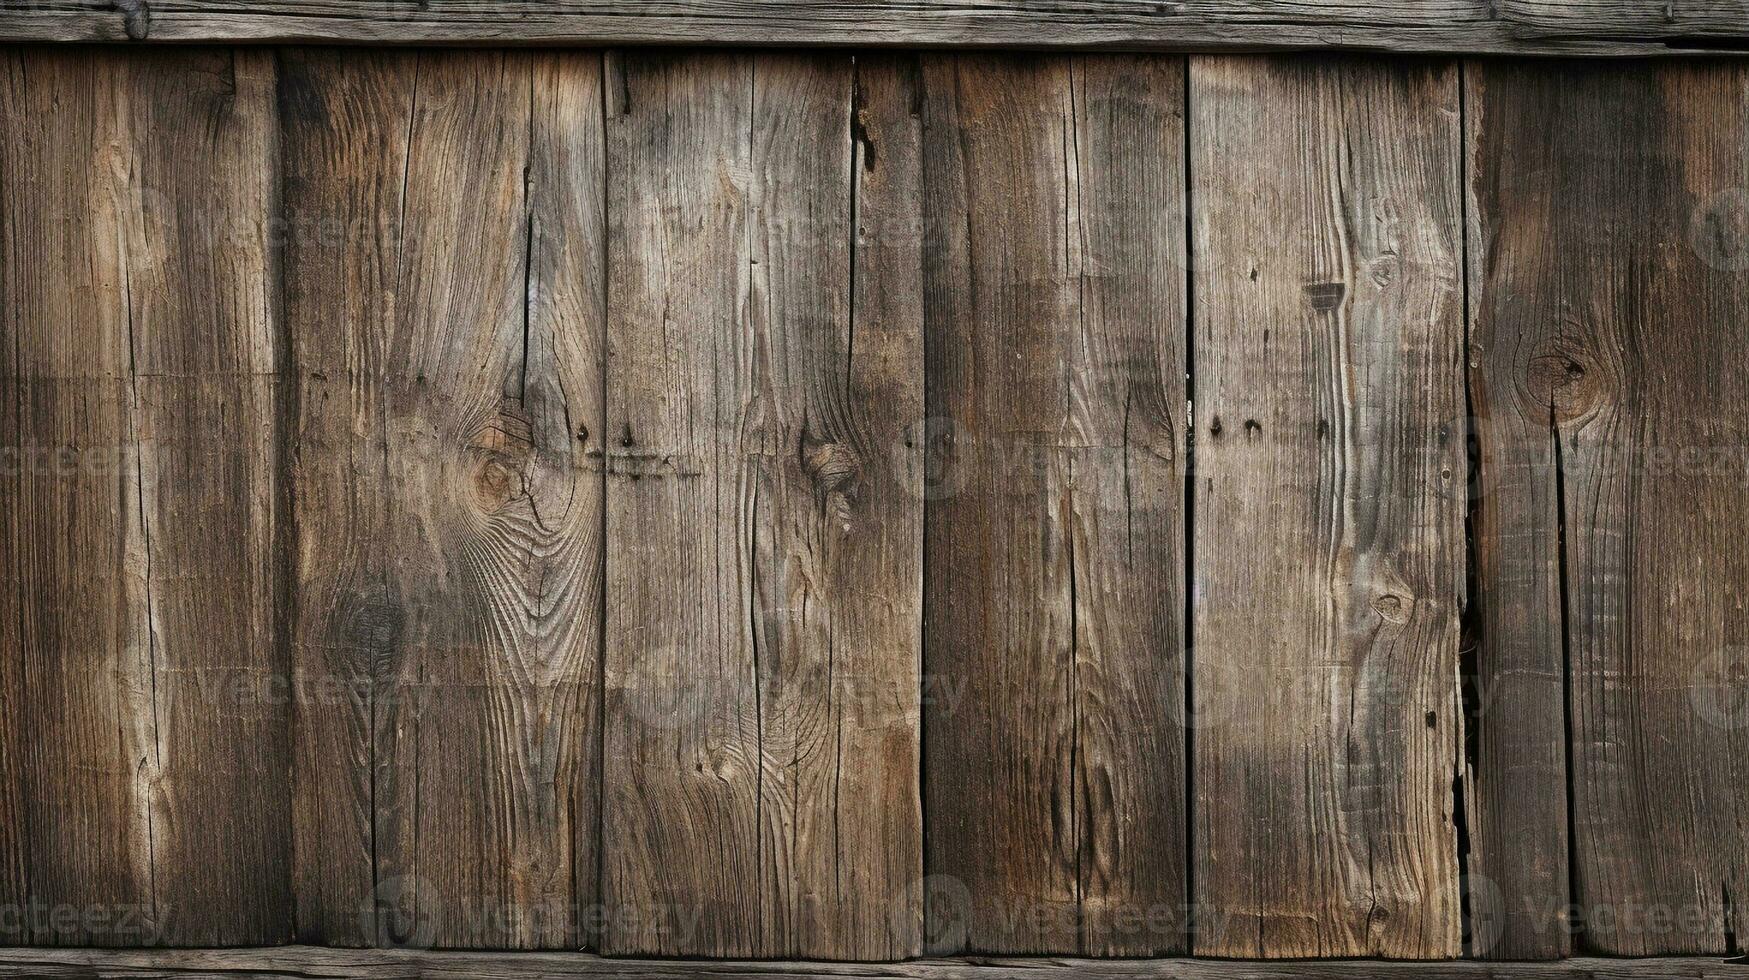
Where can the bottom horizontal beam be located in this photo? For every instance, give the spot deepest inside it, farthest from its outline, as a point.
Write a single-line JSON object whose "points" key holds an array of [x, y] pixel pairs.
{"points": [[381, 964]]}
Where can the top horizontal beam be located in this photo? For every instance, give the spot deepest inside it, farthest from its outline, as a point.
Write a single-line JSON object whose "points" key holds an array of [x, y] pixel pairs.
{"points": [[1551, 27]]}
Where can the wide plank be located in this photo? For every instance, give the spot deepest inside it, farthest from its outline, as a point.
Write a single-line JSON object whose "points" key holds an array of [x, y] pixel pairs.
{"points": [[1054, 299], [1616, 388], [447, 328], [1610, 28], [764, 550], [1329, 504]]}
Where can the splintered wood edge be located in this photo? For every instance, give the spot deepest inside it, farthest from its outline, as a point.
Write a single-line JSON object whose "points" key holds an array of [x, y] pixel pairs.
{"points": [[1590, 28], [310, 961]]}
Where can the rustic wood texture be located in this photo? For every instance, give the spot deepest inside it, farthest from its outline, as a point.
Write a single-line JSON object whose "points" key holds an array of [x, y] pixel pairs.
{"points": [[152, 764], [1679, 23], [448, 328], [306, 962], [1055, 290], [1584, 27], [1609, 310], [764, 544], [1329, 504]]}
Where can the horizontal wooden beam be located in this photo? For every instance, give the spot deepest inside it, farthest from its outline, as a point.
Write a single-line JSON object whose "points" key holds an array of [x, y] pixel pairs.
{"points": [[379, 964], [1556, 27]]}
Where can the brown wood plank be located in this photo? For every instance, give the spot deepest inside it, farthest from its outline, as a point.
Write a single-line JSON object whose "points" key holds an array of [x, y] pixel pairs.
{"points": [[343, 150], [309, 961], [152, 756], [73, 610], [200, 293], [447, 325], [1054, 283], [763, 571], [1588, 27], [1329, 502], [1610, 310], [1520, 890]]}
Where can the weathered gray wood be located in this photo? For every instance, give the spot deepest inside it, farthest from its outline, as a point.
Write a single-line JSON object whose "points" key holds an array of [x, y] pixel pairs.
{"points": [[1610, 309], [1584, 27], [1680, 23], [764, 558], [1329, 506], [1054, 283], [306, 962], [447, 328]]}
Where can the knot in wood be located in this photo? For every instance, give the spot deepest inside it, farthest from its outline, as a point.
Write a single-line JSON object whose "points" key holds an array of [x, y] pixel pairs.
{"points": [[1559, 375]]}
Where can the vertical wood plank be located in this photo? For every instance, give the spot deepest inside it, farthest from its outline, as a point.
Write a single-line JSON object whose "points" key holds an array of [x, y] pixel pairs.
{"points": [[344, 117], [1329, 502], [201, 297], [140, 190], [1054, 322], [73, 613], [763, 576], [449, 349], [1520, 887], [1610, 306]]}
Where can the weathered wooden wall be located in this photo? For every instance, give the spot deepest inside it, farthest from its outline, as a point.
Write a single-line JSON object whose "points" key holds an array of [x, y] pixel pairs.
{"points": [[816, 505]]}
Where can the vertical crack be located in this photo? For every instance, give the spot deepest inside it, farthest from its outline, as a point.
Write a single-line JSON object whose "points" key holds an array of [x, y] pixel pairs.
{"points": [[528, 286], [1189, 581], [1469, 619], [1576, 924], [601, 650], [1730, 908]]}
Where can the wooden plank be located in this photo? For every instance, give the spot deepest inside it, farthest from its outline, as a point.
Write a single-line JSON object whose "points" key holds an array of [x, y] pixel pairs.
{"points": [[375, 964], [344, 121], [1623, 343], [79, 740], [1056, 386], [1694, 24], [1520, 889], [1329, 502], [151, 757], [764, 565], [447, 323], [200, 294], [1470, 26]]}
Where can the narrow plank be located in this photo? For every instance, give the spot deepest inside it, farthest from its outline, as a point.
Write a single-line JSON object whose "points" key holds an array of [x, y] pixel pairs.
{"points": [[447, 325], [764, 572], [1623, 342], [1054, 781], [79, 738], [1329, 501], [200, 296], [1520, 889], [309, 961], [344, 126], [1472, 26]]}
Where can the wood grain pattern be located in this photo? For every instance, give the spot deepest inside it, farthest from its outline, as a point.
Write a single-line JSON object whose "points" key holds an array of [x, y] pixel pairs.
{"points": [[1329, 506], [451, 339], [154, 768], [1584, 27], [1681, 23], [764, 568], [1054, 285], [307, 961], [1614, 272], [73, 612]]}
